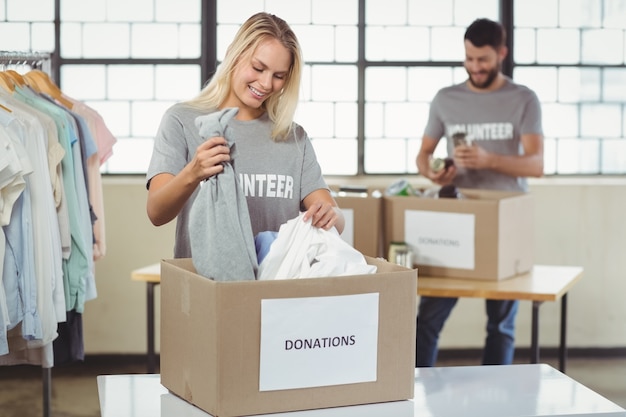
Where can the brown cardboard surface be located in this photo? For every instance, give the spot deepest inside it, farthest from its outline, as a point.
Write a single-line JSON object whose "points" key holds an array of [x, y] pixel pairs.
{"points": [[503, 230], [368, 222], [210, 336]]}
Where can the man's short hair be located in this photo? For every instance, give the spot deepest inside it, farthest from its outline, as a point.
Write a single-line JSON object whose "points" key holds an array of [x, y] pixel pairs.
{"points": [[484, 32]]}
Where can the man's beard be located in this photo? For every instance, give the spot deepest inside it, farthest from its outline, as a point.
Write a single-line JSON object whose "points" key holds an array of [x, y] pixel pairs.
{"points": [[491, 76]]}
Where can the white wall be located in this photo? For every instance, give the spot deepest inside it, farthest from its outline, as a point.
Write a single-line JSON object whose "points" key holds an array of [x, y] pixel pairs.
{"points": [[577, 222]]}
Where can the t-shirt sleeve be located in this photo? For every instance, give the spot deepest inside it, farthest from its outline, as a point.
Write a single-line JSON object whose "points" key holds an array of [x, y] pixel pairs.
{"points": [[435, 126], [312, 178], [531, 122], [170, 152]]}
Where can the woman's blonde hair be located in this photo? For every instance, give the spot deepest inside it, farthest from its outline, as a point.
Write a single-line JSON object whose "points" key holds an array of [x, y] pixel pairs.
{"points": [[280, 107]]}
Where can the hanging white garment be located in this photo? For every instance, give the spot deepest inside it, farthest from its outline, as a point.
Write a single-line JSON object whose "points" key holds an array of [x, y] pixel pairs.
{"points": [[302, 250]]}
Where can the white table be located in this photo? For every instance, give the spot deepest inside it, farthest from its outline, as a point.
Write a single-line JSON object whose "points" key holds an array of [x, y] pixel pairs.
{"points": [[529, 390]]}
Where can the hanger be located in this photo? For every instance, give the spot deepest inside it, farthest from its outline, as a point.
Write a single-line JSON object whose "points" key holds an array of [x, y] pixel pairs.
{"points": [[16, 77], [41, 82], [7, 82]]}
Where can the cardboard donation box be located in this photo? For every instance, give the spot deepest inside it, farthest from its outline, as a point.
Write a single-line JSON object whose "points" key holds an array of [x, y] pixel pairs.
{"points": [[486, 235], [362, 210], [257, 347]]}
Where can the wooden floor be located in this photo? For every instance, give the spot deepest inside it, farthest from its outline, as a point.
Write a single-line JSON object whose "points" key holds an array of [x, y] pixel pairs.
{"points": [[75, 394]]}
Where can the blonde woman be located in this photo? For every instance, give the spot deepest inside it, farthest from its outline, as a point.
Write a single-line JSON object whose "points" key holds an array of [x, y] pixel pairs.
{"points": [[276, 164]]}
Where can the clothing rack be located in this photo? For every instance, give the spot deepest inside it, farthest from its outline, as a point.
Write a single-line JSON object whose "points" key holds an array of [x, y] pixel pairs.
{"points": [[22, 62]]}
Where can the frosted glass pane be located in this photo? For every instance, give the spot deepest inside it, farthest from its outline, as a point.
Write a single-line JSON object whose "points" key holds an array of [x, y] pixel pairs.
{"points": [[375, 43], [560, 120], [386, 84], [613, 156], [305, 83], [425, 82], [106, 40], [385, 156], [318, 119], [42, 37], [400, 120], [84, 82], [337, 156], [614, 87], [614, 14], [75, 11], [527, 13], [177, 82], [466, 11], [225, 35], [549, 156], [558, 46], [130, 156], [576, 156], [579, 84], [236, 12], [447, 44], [460, 74], [15, 36], [29, 11], [317, 42], [347, 43], [346, 121], [386, 12], [119, 11], [179, 11], [344, 12], [428, 12], [581, 13], [595, 50], [116, 114], [189, 41], [412, 149], [3, 14], [154, 40], [71, 40], [334, 83], [525, 46], [600, 120], [542, 80], [374, 113], [293, 12], [130, 82], [398, 43], [146, 116]]}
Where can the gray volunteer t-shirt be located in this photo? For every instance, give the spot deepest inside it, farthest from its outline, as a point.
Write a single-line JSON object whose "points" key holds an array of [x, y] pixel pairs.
{"points": [[275, 176], [494, 120]]}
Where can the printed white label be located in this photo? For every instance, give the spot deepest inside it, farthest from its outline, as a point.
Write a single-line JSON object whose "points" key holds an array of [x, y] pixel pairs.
{"points": [[441, 239], [318, 341]]}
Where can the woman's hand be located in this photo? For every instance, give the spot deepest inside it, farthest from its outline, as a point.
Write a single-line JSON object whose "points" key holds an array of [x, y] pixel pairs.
{"points": [[168, 193], [209, 157], [322, 209], [322, 215]]}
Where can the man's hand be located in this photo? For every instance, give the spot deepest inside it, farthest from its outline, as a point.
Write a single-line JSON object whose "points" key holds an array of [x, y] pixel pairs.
{"points": [[472, 156]]}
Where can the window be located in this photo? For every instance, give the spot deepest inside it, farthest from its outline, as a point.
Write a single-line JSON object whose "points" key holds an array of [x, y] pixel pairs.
{"points": [[572, 55], [365, 95]]}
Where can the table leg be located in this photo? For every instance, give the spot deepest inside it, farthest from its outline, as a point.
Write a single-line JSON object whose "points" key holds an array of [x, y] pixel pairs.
{"points": [[150, 303], [563, 342], [46, 378], [534, 338]]}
